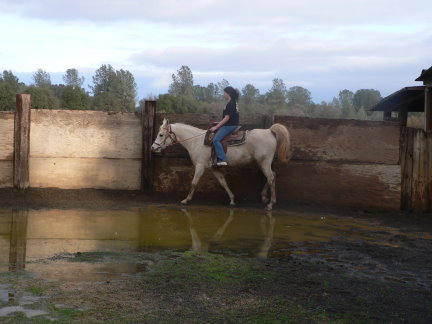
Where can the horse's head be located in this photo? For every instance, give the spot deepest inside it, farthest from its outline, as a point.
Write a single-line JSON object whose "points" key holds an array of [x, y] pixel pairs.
{"points": [[164, 138]]}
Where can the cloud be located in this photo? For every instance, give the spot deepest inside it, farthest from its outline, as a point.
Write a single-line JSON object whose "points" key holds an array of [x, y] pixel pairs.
{"points": [[366, 53], [193, 12], [325, 46]]}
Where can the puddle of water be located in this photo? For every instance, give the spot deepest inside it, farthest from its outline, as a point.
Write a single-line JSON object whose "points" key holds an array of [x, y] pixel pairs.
{"points": [[4, 293], [6, 311], [85, 272], [27, 237]]}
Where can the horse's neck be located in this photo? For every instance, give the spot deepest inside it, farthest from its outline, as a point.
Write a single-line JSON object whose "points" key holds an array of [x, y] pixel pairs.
{"points": [[187, 135]]}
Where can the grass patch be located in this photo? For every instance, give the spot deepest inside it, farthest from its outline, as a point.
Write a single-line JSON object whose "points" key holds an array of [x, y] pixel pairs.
{"points": [[37, 290], [200, 267]]}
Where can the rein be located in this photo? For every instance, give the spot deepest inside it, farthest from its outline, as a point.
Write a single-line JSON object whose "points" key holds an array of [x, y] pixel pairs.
{"points": [[174, 140]]}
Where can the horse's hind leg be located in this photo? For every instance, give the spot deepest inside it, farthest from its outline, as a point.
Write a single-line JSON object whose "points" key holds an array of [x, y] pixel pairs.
{"points": [[264, 193], [221, 178], [199, 170], [270, 175]]}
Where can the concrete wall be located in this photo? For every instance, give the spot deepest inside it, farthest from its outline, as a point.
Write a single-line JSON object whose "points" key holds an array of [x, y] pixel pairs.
{"points": [[335, 162], [6, 149], [85, 149]]}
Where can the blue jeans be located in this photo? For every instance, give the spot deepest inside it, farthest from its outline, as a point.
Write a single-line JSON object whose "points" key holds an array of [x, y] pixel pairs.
{"points": [[220, 134]]}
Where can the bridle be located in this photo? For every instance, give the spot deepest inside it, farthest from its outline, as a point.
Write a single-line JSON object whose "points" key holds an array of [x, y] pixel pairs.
{"points": [[173, 137]]}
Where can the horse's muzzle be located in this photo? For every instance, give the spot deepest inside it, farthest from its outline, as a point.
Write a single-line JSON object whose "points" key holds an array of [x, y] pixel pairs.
{"points": [[156, 148]]}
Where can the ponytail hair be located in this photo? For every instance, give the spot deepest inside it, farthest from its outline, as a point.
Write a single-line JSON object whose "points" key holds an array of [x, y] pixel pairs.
{"points": [[233, 93]]}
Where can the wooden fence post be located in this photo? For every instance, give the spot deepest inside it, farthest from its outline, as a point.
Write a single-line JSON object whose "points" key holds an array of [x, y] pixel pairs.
{"points": [[387, 115], [403, 117], [148, 118], [22, 141], [267, 121], [428, 109]]}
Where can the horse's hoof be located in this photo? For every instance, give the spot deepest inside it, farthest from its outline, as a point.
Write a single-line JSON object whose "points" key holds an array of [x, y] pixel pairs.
{"points": [[269, 207], [184, 202], [232, 203]]}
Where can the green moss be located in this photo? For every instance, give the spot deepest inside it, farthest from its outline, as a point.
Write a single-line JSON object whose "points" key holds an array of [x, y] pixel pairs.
{"points": [[197, 266], [37, 289]]}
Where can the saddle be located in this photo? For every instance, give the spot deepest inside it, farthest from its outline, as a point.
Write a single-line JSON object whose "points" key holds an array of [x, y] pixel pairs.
{"points": [[237, 137]]}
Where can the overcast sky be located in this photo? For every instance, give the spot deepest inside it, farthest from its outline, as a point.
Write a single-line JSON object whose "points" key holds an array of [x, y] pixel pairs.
{"points": [[322, 45]]}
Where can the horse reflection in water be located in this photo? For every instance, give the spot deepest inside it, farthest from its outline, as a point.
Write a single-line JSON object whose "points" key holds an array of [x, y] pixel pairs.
{"points": [[267, 224]]}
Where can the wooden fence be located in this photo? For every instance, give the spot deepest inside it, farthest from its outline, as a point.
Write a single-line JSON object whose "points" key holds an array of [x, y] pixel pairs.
{"points": [[70, 149], [6, 149], [343, 163], [355, 164], [416, 163]]}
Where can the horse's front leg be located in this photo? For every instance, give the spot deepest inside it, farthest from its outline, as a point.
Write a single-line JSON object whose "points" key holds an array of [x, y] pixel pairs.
{"points": [[199, 170], [221, 178]]}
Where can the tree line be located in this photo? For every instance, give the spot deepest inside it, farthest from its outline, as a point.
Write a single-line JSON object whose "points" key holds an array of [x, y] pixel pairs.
{"points": [[116, 90], [185, 97]]}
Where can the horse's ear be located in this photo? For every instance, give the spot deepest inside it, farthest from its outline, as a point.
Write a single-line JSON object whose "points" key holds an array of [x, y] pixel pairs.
{"points": [[165, 122]]}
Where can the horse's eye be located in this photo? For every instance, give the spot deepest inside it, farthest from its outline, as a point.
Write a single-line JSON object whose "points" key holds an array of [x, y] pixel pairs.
{"points": [[160, 135]]}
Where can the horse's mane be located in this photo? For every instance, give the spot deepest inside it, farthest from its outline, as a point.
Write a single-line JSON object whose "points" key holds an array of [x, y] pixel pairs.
{"points": [[192, 128]]}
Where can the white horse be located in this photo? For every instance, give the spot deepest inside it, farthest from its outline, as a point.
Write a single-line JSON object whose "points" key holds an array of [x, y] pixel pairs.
{"points": [[261, 146]]}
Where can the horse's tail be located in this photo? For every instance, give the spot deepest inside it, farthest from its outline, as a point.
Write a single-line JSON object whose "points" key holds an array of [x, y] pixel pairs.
{"points": [[283, 141]]}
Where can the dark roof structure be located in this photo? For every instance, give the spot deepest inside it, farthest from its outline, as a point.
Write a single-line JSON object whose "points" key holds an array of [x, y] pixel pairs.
{"points": [[426, 75], [411, 99]]}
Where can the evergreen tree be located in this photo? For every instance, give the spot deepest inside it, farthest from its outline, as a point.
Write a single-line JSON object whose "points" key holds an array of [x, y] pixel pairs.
{"points": [[103, 80], [9, 87], [250, 94], [182, 82], [72, 78], [42, 98], [346, 102], [366, 98], [276, 96], [7, 97], [107, 101], [221, 86], [126, 90], [42, 79], [75, 98], [117, 88], [299, 96], [10, 79]]}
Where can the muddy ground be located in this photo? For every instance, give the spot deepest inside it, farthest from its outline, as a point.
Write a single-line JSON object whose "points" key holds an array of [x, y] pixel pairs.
{"points": [[353, 281]]}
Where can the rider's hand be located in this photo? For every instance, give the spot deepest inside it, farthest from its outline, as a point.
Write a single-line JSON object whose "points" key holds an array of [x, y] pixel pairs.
{"points": [[213, 129]]}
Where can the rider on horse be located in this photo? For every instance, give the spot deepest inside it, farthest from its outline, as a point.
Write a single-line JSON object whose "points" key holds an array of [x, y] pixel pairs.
{"points": [[229, 122]]}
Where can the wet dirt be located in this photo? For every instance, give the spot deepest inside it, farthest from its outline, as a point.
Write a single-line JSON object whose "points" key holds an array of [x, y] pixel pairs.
{"points": [[300, 264]]}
